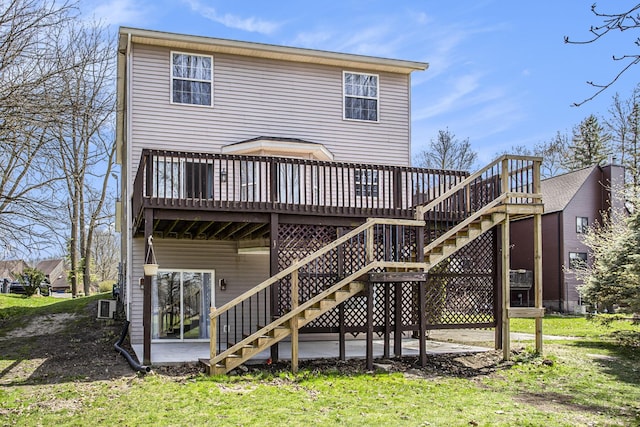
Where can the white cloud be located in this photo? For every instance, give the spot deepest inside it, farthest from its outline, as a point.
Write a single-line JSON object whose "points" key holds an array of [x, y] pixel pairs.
{"points": [[251, 24], [453, 100], [118, 12]]}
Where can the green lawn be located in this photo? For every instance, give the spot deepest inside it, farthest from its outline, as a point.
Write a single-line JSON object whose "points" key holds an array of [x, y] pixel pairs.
{"points": [[589, 380], [572, 326]]}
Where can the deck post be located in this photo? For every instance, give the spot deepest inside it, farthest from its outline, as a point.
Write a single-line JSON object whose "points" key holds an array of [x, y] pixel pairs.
{"points": [[497, 307], [342, 345], [537, 275], [213, 335], [537, 257], [274, 237], [422, 299], [397, 322], [294, 320], [506, 300], [370, 289], [146, 304]]}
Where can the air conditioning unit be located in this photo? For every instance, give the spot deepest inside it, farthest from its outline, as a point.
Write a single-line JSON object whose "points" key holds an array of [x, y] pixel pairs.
{"points": [[106, 308]]}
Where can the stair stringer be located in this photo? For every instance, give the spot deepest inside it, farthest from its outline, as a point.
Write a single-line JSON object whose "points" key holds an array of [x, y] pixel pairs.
{"points": [[279, 328], [458, 237]]}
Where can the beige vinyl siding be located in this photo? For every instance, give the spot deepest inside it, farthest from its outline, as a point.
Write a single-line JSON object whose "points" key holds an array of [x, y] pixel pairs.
{"points": [[242, 272], [260, 97]]}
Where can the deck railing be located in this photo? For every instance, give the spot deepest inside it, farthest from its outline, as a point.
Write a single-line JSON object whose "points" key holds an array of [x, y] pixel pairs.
{"points": [[182, 180], [508, 180]]}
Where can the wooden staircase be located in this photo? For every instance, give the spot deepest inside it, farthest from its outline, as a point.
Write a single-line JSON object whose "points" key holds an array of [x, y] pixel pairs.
{"points": [[280, 328], [460, 236], [471, 226]]}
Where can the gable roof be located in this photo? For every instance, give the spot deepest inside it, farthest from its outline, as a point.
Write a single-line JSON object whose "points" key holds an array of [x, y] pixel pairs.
{"points": [[558, 191], [261, 50], [7, 268], [48, 266]]}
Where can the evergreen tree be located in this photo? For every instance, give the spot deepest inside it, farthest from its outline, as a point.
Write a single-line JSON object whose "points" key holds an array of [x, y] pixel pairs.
{"points": [[589, 145]]}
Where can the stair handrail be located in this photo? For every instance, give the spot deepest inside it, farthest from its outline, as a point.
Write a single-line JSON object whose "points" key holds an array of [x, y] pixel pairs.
{"points": [[317, 254], [294, 312], [477, 214], [422, 209]]}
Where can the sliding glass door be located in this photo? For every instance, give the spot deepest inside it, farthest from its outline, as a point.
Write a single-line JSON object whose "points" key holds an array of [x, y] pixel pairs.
{"points": [[181, 300]]}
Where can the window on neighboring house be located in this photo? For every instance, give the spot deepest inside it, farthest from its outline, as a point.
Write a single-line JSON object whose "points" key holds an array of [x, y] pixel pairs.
{"points": [[191, 79], [582, 224], [577, 259], [360, 96], [366, 182]]}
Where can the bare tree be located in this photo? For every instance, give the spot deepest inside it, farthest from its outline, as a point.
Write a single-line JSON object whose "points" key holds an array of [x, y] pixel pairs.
{"points": [[106, 254], [553, 153], [447, 152], [612, 22], [624, 125], [28, 110], [85, 139]]}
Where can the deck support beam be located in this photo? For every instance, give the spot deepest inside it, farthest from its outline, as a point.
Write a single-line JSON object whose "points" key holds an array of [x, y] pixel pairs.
{"points": [[146, 292], [506, 300], [537, 277], [274, 267], [294, 320]]}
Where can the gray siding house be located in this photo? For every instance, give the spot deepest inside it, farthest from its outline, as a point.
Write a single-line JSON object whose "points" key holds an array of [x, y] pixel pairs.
{"points": [[252, 170]]}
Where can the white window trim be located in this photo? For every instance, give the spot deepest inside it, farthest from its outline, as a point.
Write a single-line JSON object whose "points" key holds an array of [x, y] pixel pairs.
{"points": [[344, 95], [195, 80]]}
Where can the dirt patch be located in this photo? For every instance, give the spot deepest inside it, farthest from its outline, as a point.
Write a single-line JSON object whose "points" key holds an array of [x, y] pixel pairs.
{"points": [[61, 347], [78, 347], [458, 365], [41, 325]]}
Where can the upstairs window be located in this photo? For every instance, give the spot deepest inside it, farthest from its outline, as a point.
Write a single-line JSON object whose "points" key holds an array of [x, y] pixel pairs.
{"points": [[360, 96], [191, 79], [582, 224]]}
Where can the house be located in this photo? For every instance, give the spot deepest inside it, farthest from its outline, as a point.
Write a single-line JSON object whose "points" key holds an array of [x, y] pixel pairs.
{"points": [[55, 272], [272, 187], [9, 271], [572, 202]]}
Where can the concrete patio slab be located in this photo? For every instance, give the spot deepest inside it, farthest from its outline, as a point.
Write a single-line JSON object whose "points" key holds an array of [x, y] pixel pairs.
{"points": [[168, 353]]}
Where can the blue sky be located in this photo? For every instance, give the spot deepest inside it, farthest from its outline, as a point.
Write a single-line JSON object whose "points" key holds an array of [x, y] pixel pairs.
{"points": [[500, 73]]}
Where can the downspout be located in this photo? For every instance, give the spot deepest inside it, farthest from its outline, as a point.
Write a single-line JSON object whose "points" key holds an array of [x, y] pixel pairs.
{"points": [[135, 365], [561, 260]]}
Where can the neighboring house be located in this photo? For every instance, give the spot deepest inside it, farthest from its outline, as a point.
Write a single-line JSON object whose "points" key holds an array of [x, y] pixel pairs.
{"points": [[261, 169], [9, 270], [56, 274], [572, 202]]}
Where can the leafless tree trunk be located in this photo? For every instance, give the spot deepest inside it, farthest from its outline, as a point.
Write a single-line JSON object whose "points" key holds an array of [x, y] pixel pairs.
{"points": [[85, 138], [624, 125], [28, 110], [106, 254]]}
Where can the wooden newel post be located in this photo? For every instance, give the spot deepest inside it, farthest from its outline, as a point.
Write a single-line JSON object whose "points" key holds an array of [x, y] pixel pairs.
{"points": [[294, 320], [213, 333]]}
